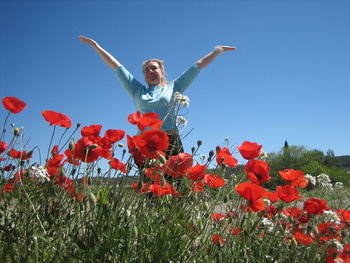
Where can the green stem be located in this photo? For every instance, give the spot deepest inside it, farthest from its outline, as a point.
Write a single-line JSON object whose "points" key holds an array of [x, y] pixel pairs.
{"points": [[3, 127], [48, 150]]}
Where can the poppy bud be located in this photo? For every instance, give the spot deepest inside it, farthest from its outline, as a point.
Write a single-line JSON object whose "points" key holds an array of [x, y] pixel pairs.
{"points": [[98, 170], [120, 145], [71, 145], [16, 131], [78, 125], [211, 153], [124, 151], [199, 143], [218, 148], [73, 171], [225, 199], [92, 146], [193, 149], [161, 158]]}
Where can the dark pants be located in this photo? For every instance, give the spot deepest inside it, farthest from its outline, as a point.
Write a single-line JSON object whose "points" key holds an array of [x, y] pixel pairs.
{"points": [[175, 145]]}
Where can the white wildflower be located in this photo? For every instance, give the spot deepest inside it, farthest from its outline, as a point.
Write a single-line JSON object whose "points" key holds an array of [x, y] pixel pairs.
{"points": [[181, 120], [263, 155], [323, 178], [311, 179], [39, 173], [331, 216], [268, 223], [324, 181], [338, 185], [181, 99], [337, 244]]}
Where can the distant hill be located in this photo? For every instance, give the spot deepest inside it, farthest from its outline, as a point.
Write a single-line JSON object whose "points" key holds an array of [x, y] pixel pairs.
{"points": [[344, 162]]}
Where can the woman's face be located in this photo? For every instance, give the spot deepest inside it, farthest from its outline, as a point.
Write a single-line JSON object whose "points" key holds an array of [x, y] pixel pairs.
{"points": [[153, 74]]}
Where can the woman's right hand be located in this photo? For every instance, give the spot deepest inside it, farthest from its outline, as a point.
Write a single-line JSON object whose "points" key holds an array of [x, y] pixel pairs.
{"points": [[88, 41]]}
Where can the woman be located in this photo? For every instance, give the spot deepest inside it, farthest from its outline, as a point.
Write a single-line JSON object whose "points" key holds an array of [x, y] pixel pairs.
{"points": [[159, 95]]}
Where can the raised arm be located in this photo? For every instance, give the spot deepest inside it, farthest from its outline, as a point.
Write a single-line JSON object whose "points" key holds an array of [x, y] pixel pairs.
{"points": [[206, 60], [106, 57]]}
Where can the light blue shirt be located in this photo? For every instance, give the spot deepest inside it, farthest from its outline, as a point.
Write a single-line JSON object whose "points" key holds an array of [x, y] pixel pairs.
{"points": [[157, 99]]}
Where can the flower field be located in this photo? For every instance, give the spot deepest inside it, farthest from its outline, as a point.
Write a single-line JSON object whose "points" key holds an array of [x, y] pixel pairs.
{"points": [[78, 205]]}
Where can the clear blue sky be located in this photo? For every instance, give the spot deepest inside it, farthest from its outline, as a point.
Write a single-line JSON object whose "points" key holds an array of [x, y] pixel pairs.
{"points": [[289, 79]]}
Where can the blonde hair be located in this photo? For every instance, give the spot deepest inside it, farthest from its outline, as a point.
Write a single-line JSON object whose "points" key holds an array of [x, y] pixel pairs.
{"points": [[160, 62]]}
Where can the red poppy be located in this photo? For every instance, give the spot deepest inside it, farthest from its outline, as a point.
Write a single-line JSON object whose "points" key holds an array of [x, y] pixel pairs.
{"points": [[23, 155], [273, 197], [56, 118], [55, 160], [13, 104], [152, 141], [92, 130], [54, 164], [9, 187], [149, 119], [154, 173], [70, 157], [302, 238], [117, 165], [178, 165], [159, 190], [217, 239], [294, 177], [3, 147], [257, 171], [114, 135], [144, 187], [217, 217], [315, 206], [134, 118], [214, 181], [8, 168], [235, 231], [336, 256], [139, 158], [223, 155], [197, 172], [65, 183], [293, 212], [344, 216], [249, 150], [55, 150], [270, 211], [86, 151], [197, 186], [288, 193], [251, 191], [328, 231]]}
